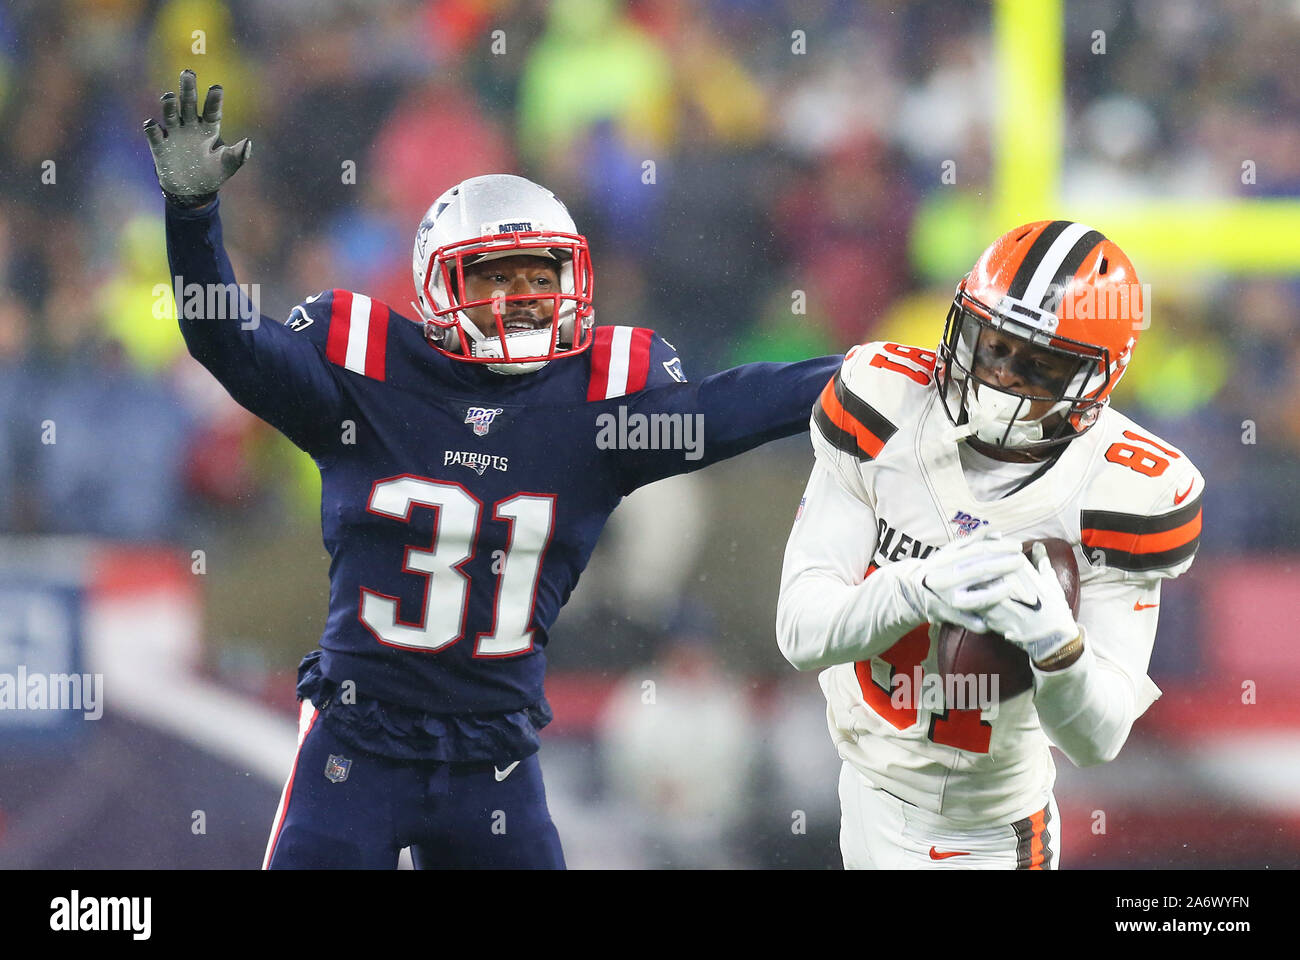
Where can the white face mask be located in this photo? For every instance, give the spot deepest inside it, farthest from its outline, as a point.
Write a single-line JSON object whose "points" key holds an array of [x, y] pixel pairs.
{"points": [[989, 413]]}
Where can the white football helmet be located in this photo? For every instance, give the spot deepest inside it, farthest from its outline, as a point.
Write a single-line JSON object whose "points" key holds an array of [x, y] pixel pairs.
{"points": [[487, 218]]}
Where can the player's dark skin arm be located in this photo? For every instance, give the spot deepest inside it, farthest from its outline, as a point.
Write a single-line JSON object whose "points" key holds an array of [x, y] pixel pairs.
{"points": [[265, 367]]}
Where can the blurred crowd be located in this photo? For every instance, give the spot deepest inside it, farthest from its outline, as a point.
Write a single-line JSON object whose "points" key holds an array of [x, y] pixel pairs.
{"points": [[759, 179]]}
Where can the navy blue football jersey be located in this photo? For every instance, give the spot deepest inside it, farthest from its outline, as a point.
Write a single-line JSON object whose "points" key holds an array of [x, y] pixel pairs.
{"points": [[459, 506]]}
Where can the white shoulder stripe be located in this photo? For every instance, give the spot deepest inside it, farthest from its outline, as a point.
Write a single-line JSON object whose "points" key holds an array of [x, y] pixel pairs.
{"points": [[620, 357], [358, 334]]}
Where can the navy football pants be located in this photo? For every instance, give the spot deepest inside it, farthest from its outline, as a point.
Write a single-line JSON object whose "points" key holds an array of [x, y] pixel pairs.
{"points": [[449, 814]]}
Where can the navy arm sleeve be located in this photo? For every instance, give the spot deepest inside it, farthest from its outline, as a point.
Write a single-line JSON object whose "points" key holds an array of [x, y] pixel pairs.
{"points": [[721, 416], [269, 369]]}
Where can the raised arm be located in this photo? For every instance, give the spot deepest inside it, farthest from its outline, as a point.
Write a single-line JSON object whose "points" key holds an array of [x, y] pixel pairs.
{"points": [[269, 369]]}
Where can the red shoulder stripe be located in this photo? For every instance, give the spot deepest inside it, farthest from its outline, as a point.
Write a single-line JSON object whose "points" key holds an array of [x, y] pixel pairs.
{"points": [[377, 340], [358, 334], [602, 338], [638, 365], [336, 347]]}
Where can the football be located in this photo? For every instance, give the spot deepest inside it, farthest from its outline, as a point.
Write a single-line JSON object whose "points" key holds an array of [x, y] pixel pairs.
{"points": [[963, 652]]}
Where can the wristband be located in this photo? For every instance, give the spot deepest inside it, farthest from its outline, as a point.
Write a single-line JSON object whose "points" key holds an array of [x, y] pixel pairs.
{"points": [[1067, 651]]}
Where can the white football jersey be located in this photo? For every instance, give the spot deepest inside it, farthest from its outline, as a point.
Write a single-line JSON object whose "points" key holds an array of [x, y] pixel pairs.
{"points": [[888, 489]]}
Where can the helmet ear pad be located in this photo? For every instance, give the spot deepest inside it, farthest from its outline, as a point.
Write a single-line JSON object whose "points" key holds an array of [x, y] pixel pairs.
{"points": [[446, 338]]}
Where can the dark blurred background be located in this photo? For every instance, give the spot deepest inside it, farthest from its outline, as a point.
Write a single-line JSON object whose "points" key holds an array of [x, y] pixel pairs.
{"points": [[759, 180]]}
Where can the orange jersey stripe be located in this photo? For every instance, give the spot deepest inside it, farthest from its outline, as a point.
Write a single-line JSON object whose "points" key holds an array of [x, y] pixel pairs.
{"points": [[1145, 543], [868, 441], [1036, 841]]}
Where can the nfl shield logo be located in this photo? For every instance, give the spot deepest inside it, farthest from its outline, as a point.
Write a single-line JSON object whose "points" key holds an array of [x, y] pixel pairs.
{"points": [[481, 418], [336, 769]]}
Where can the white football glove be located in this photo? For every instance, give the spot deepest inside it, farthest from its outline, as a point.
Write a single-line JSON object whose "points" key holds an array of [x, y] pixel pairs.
{"points": [[960, 581], [191, 161], [1036, 617]]}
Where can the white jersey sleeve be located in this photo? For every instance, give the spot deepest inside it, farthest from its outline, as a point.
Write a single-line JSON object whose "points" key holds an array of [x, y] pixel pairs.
{"points": [[1088, 708], [829, 611], [1140, 518]]}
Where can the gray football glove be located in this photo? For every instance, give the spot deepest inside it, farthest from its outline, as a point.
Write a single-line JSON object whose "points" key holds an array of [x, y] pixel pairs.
{"points": [[191, 161]]}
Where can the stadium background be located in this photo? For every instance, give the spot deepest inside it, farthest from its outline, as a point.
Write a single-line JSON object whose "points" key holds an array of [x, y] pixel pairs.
{"points": [[823, 174]]}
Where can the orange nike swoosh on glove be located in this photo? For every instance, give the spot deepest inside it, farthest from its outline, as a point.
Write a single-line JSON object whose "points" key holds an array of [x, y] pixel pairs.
{"points": [[1144, 606]]}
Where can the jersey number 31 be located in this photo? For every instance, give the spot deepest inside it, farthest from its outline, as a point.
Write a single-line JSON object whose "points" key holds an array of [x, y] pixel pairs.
{"points": [[446, 592]]}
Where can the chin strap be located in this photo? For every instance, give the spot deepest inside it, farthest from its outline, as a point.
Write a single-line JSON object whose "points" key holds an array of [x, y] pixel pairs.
{"points": [[481, 346], [531, 343], [989, 414]]}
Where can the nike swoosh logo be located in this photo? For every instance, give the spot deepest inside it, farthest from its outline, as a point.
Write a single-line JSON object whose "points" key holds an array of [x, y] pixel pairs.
{"points": [[936, 855], [502, 774], [1180, 497], [1144, 606], [1036, 605]]}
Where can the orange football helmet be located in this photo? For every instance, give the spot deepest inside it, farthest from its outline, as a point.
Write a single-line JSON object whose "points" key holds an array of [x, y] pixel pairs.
{"points": [[1067, 291]]}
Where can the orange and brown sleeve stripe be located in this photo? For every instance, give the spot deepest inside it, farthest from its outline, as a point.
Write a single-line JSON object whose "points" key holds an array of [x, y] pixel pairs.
{"points": [[1034, 841], [1137, 543], [850, 423]]}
